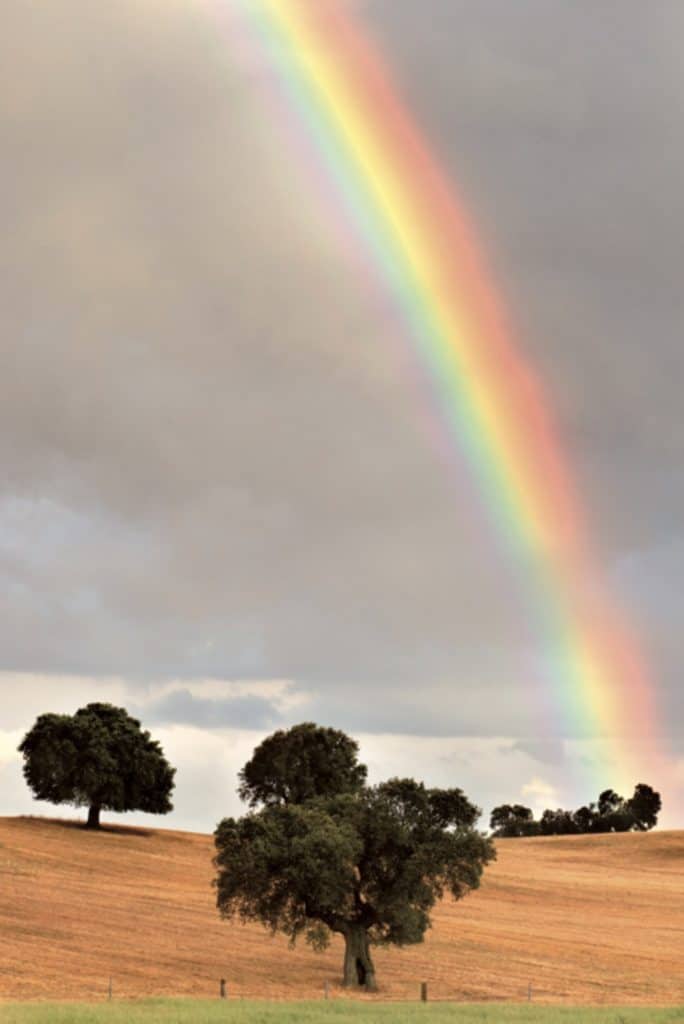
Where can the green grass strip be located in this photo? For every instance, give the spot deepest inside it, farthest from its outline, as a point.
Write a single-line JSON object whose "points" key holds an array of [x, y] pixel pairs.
{"points": [[169, 1011]]}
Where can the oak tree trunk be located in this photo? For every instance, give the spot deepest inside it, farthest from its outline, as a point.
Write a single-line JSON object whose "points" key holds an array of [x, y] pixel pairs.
{"points": [[93, 817], [359, 971]]}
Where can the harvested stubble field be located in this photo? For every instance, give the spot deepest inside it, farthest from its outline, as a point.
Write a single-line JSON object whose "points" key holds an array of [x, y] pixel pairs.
{"points": [[584, 919]]}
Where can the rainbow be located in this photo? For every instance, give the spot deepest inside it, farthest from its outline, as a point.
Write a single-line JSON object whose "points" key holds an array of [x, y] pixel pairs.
{"points": [[408, 216]]}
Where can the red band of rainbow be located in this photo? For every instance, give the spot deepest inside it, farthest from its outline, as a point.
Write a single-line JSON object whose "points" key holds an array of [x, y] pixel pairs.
{"points": [[407, 213]]}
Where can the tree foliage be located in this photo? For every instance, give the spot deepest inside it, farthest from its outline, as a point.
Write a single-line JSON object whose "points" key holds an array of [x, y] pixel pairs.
{"points": [[368, 863], [99, 758], [510, 820], [611, 813], [298, 764], [644, 806]]}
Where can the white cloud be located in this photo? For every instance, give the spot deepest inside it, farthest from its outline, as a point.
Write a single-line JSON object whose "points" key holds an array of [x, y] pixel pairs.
{"points": [[542, 794], [9, 741]]}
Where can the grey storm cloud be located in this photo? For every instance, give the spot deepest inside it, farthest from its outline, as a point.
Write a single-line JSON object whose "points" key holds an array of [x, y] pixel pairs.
{"points": [[214, 461], [545, 751], [181, 707]]}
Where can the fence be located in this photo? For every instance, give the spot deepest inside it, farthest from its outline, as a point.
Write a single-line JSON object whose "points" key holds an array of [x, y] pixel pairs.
{"points": [[422, 991]]}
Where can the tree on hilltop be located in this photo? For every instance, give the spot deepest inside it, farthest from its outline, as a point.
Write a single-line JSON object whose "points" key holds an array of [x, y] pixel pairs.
{"points": [[512, 820], [644, 806], [638, 814], [558, 823], [367, 863], [98, 758], [585, 818], [608, 803]]}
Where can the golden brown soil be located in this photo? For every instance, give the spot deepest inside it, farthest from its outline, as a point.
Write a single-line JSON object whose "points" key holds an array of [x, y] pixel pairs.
{"points": [[585, 919]]}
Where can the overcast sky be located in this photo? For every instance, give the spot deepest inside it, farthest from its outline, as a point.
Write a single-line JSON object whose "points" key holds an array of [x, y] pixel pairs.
{"points": [[218, 504]]}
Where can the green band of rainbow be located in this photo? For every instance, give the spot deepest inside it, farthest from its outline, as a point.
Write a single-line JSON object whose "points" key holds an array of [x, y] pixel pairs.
{"points": [[491, 403]]}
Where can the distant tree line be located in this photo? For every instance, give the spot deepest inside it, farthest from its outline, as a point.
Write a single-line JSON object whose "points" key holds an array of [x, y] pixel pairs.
{"points": [[611, 813]]}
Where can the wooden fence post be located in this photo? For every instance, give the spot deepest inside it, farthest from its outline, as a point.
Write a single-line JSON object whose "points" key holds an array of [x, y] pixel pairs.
{"points": [[423, 991], [223, 988]]}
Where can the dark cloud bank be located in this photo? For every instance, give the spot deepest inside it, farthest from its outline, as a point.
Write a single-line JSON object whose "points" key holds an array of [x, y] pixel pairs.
{"points": [[214, 461]]}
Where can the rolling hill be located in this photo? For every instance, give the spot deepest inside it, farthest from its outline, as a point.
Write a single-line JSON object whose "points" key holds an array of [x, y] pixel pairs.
{"points": [[582, 919]]}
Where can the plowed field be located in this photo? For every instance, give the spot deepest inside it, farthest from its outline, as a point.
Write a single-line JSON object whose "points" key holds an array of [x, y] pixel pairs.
{"points": [[583, 919]]}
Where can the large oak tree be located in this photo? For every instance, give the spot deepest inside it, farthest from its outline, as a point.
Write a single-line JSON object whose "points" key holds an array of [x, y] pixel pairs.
{"points": [[98, 758], [368, 864]]}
